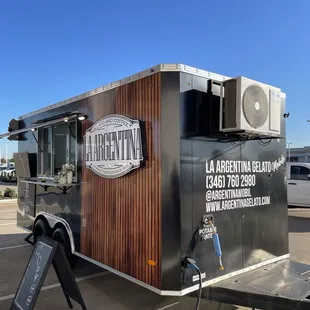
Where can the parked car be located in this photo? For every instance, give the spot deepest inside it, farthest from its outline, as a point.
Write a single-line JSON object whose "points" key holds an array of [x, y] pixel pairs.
{"points": [[7, 172], [2, 171], [298, 184]]}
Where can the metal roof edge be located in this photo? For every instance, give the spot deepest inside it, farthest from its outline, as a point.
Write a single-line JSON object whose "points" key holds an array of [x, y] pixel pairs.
{"points": [[132, 78]]}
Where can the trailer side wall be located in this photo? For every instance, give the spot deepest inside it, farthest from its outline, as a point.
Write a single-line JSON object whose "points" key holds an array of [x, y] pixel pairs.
{"points": [[252, 228], [50, 200], [121, 218], [116, 222]]}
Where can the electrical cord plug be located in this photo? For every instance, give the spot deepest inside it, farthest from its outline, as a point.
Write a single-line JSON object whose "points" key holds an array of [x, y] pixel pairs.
{"points": [[190, 263]]}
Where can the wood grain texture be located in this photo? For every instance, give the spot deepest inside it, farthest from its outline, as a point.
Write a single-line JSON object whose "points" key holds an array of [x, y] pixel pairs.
{"points": [[122, 216]]}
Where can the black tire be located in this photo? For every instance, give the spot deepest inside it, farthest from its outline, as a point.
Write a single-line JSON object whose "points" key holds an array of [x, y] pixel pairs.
{"points": [[40, 229], [62, 237]]}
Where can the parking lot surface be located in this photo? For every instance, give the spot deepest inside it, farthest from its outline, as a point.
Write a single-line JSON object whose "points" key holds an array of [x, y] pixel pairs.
{"points": [[101, 289]]}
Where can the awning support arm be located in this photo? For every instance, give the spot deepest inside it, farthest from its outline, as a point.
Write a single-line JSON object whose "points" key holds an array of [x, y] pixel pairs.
{"points": [[36, 141], [72, 134]]}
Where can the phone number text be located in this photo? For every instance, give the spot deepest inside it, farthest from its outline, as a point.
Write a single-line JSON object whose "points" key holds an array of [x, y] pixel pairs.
{"points": [[228, 181]]}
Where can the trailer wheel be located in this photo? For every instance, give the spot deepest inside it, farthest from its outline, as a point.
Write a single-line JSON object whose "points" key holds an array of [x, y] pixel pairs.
{"points": [[62, 237], [40, 229]]}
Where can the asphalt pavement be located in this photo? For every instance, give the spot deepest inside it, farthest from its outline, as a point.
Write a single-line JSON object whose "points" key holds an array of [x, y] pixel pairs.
{"points": [[101, 289]]}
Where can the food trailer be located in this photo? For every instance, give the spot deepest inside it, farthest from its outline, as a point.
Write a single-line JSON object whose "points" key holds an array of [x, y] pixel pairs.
{"points": [[173, 178]]}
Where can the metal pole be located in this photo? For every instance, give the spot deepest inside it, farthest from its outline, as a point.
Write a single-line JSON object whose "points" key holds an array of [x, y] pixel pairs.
{"points": [[6, 148], [289, 151]]}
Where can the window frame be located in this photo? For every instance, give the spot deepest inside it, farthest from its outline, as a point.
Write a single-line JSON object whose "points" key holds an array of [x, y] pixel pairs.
{"points": [[296, 166], [40, 167]]}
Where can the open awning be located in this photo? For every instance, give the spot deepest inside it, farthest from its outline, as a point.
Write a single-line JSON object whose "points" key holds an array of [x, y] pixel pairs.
{"points": [[14, 129]]}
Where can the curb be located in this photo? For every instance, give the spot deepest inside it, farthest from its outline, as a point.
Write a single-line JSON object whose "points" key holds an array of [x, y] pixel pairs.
{"points": [[3, 201]]}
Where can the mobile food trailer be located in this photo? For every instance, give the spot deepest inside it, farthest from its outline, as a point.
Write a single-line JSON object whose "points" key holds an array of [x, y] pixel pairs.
{"points": [[178, 183]]}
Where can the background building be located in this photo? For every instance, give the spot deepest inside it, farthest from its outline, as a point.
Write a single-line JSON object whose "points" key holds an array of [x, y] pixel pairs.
{"points": [[301, 154]]}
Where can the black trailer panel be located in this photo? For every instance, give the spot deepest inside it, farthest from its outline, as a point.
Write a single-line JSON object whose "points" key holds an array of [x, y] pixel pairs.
{"points": [[238, 182], [48, 198]]}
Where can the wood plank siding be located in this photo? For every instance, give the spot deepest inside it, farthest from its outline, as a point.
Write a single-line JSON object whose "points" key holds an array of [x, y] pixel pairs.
{"points": [[121, 218]]}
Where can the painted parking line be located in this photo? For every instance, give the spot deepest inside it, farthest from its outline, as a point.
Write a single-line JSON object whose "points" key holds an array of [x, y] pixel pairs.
{"points": [[7, 224], [169, 306], [49, 287], [8, 201], [8, 211], [14, 247]]}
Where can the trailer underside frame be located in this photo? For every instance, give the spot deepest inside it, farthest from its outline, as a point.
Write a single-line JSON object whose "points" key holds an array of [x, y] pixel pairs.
{"points": [[281, 285]]}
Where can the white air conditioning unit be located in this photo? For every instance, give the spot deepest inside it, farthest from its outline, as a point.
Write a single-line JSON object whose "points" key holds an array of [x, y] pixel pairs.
{"points": [[250, 108]]}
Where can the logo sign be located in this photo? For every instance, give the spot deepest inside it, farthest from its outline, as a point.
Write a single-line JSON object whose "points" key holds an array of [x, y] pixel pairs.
{"points": [[113, 146]]}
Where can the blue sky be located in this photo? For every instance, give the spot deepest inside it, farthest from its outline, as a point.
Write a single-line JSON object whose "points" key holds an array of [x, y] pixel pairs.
{"points": [[52, 50]]}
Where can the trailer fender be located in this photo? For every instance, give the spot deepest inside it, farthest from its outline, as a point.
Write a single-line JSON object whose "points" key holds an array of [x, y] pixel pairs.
{"points": [[53, 220]]}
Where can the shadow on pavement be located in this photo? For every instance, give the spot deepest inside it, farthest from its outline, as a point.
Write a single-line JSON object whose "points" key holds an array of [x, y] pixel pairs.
{"points": [[298, 224], [9, 240], [107, 291]]}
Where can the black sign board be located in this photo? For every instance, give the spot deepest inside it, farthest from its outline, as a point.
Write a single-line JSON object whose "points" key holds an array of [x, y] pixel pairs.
{"points": [[45, 253]]}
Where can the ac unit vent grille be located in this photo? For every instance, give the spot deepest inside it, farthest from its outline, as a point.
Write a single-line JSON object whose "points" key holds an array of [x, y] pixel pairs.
{"points": [[255, 106]]}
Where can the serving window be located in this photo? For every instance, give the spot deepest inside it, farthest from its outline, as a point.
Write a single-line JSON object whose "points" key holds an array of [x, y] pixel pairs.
{"points": [[59, 146]]}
